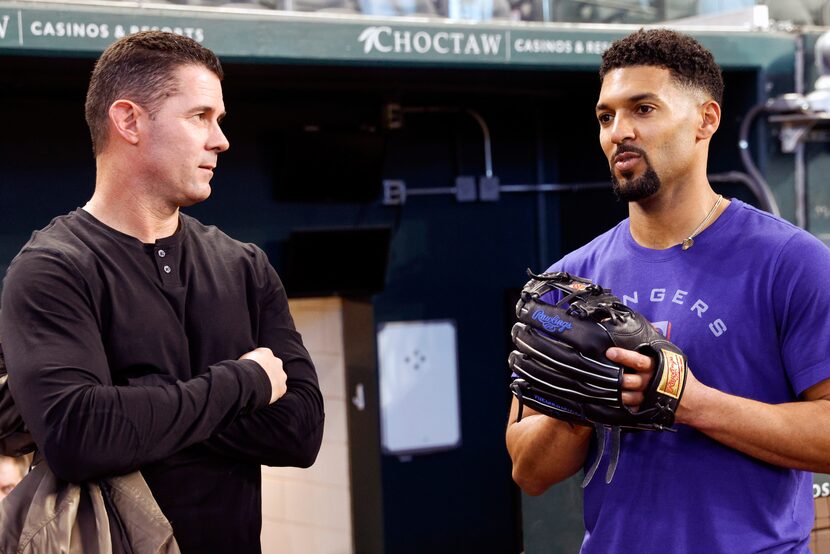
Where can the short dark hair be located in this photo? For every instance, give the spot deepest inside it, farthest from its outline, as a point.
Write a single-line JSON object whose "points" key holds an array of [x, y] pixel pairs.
{"points": [[689, 63], [140, 68]]}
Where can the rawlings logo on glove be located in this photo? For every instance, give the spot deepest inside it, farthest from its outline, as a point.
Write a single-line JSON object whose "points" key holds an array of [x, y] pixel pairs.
{"points": [[552, 324]]}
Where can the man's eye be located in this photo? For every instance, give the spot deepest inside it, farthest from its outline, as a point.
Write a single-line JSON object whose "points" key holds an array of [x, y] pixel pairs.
{"points": [[645, 109], [604, 118]]}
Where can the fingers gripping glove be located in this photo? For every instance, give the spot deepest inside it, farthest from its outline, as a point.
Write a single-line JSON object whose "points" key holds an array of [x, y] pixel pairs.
{"points": [[562, 370]]}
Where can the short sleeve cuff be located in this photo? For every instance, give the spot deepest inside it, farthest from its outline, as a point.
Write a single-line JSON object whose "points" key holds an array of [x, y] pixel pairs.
{"points": [[813, 375]]}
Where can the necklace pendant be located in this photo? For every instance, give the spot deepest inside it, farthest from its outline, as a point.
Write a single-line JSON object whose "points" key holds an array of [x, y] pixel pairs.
{"points": [[688, 243]]}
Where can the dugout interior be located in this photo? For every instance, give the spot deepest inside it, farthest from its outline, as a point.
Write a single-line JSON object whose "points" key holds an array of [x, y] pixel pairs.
{"points": [[444, 258]]}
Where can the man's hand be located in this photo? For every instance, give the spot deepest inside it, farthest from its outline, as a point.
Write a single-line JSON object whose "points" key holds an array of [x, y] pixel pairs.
{"points": [[790, 434], [272, 367], [635, 384]]}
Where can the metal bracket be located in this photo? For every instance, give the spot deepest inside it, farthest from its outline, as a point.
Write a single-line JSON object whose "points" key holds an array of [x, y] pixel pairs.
{"points": [[796, 127], [792, 135], [465, 189], [488, 189]]}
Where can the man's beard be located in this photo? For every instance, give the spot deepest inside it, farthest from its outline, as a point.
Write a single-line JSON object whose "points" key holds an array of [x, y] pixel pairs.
{"points": [[636, 189]]}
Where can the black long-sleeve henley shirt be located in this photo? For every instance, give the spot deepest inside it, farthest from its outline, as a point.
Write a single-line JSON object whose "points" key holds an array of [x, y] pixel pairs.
{"points": [[123, 356]]}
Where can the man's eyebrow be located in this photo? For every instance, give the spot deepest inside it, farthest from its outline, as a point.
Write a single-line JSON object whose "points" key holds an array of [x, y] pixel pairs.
{"points": [[209, 109], [632, 100]]}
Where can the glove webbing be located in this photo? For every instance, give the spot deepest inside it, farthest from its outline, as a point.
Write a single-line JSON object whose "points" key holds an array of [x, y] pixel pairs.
{"points": [[542, 286], [562, 282]]}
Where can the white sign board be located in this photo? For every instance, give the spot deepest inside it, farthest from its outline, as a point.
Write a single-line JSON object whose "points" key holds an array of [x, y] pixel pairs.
{"points": [[418, 365]]}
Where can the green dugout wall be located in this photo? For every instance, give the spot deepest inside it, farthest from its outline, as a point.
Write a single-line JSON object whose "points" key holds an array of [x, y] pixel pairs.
{"points": [[534, 85], [263, 37]]}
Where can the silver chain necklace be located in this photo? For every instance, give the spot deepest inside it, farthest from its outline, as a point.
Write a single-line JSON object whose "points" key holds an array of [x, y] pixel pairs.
{"points": [[688, 242]]}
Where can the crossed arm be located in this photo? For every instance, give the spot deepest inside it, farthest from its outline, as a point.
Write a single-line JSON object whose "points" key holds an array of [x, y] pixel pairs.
{"points": [[87, 427]]}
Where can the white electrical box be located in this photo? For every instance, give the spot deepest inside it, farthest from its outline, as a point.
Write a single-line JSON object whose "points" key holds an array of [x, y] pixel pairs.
{"points": [[418, 365]]}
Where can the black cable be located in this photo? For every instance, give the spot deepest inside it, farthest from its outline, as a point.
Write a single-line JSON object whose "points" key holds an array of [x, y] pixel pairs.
{"points": [[757, 184]]}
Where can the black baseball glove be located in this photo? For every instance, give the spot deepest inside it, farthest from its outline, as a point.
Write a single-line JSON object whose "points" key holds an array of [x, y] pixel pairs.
{"points": [[565, 326]]}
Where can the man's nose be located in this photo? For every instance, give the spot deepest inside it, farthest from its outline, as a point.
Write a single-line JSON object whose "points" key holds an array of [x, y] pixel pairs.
{"points": [[622, 129], [219, 141]]}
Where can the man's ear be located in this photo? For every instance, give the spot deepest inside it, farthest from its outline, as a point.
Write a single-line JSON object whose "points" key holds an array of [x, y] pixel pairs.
{"points": [[709, 119], [124, 116]]}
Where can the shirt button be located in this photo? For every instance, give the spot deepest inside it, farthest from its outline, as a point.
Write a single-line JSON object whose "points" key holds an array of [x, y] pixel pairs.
{"points": [[162, 253], [167, 269]]}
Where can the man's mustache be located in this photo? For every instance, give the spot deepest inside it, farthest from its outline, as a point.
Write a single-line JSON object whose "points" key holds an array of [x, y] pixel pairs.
{"points": [[627, 148]]}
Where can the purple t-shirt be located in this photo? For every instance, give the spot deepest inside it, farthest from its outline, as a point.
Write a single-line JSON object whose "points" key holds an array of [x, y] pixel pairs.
{"points": [[748, 305]]}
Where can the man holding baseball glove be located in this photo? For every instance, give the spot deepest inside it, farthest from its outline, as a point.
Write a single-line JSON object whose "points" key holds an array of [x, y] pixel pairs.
{"points": [[682, 358]]}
